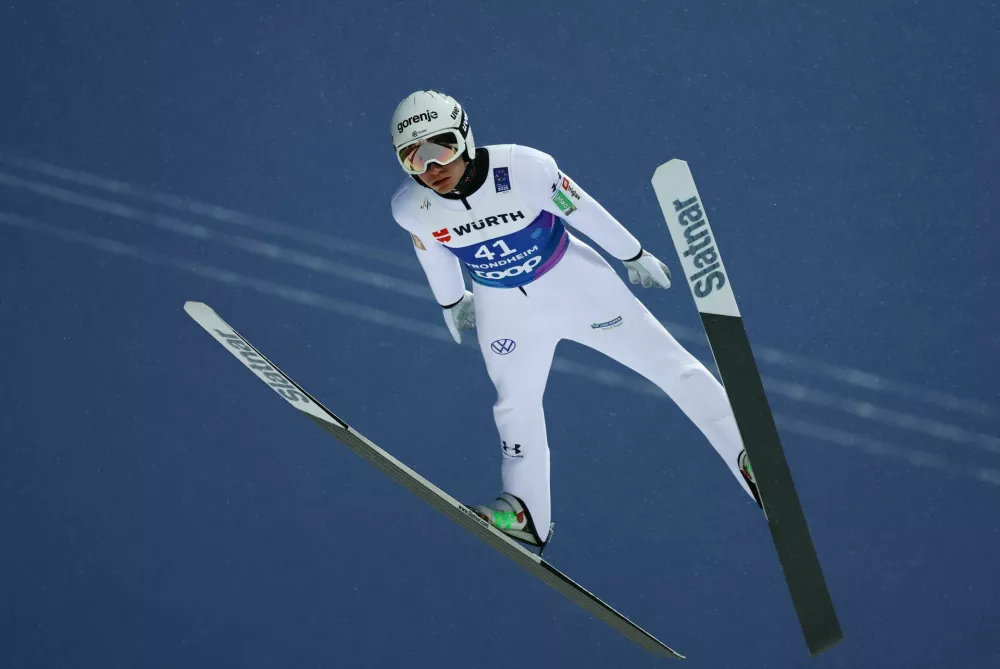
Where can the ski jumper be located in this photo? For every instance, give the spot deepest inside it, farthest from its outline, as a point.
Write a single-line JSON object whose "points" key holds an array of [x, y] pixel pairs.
{"points": [[535, 284]]}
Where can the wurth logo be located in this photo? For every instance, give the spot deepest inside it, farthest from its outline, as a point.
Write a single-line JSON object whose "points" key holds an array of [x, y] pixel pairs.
{"points": [[442, 235], [488, 222]]}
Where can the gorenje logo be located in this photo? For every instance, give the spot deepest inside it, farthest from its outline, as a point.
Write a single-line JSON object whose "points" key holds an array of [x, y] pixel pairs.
{"points": [[424, 116], [488, 222], [701, 248]]}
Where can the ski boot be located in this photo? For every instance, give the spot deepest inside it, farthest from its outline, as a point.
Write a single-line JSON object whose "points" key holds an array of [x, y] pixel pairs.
{"points": [[747, 470], [509, 515]]}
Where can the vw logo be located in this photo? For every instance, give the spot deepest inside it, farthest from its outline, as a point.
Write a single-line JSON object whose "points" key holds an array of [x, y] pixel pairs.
{"points": [[503, 346]]}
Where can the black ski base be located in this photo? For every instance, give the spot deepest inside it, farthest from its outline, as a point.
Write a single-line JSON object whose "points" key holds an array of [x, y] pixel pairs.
{"points": [[775, 487]]}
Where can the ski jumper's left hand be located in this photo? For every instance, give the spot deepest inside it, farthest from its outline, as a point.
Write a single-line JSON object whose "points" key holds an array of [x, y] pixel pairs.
{"points": [[647, 269]]}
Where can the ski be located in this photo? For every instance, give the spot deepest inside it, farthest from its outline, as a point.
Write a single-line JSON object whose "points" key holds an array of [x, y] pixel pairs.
{"points": [[297, 396], [698, 251]]}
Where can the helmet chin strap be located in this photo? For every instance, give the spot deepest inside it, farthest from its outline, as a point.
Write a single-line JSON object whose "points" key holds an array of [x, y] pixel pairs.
{"points": [[467, 176]]}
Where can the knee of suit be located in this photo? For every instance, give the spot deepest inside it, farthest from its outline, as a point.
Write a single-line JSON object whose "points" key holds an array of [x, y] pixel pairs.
{"points": [[693, 370], [705, 393], [518, 397], [524, 400]]}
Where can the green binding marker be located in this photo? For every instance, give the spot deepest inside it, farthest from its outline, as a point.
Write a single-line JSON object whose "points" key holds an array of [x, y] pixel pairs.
{"points": [[504, 519]]}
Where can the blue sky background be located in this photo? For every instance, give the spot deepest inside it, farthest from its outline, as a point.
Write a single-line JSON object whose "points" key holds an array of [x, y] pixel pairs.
{"points": [[159, 507]]}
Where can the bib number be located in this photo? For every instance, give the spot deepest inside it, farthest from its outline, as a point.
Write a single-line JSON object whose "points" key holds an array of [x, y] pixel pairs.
{"points": [[484, 251]]}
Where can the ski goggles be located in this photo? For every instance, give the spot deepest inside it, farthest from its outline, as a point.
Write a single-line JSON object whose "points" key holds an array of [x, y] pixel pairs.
{"points": [[443, 148]]}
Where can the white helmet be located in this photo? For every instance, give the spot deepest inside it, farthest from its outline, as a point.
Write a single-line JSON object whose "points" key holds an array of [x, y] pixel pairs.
{"points": [[426, 114]]}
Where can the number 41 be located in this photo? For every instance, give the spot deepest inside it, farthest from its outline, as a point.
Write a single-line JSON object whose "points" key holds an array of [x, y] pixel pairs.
{"points": [[505, 250]]}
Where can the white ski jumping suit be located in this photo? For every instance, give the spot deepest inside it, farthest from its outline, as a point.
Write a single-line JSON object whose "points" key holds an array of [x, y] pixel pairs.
{"points": [[536, 284]]}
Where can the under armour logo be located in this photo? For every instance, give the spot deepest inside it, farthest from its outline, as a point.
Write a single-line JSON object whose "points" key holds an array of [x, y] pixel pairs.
{"points": [[503, 346], [511, 451]]}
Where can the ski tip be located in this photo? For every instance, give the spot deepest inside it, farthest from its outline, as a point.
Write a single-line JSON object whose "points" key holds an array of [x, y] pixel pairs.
{"points": [[193, 307], [673, 163]]}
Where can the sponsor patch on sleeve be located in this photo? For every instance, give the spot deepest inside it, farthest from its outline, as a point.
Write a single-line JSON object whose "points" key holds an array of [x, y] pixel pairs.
{"points": [[501, 179], [561, 201], [563, 193]]}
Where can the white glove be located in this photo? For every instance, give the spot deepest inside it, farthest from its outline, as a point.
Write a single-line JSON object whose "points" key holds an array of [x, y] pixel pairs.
{"points": [[460, 316], [648, 270]]}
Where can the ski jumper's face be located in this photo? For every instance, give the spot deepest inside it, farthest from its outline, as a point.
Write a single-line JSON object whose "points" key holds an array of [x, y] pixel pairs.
{"points": [[443, 178]]}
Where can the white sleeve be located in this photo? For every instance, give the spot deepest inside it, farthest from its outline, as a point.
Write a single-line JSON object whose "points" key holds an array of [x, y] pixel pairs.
{"points": [[542, 184], [443, 269]]}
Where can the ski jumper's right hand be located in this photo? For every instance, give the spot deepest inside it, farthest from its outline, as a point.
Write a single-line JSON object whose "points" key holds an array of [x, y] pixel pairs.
{"points": [[460, 316]]}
